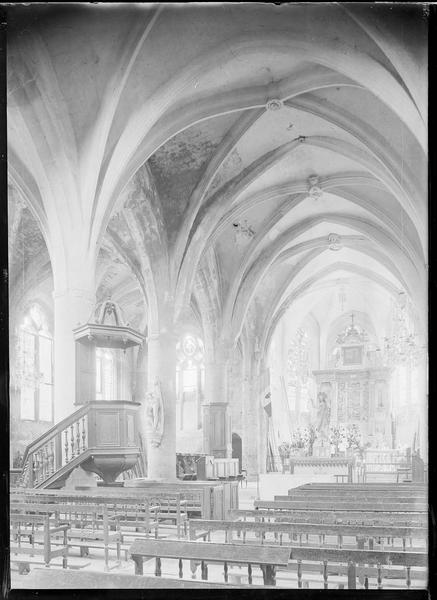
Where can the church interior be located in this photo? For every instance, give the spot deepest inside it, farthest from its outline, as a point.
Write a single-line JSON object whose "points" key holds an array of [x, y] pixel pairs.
{"points": [[217, 229]]}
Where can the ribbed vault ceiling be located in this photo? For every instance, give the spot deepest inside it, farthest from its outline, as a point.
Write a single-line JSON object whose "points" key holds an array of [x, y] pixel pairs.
{"points": [[141, 135]]}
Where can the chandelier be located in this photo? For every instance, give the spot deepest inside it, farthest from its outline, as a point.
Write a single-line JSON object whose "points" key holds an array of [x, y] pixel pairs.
{"points": [[403, 346], [352, 334]]}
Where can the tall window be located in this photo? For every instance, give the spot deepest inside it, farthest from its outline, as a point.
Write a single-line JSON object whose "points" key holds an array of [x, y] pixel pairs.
{"points": [[34, 369], [190, 383], [106, 374], [298, 371]]}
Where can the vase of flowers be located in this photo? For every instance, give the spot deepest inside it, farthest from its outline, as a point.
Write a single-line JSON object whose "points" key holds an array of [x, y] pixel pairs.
{"points": [[337, 440], [298, 442], [284, 452], [353, 439]]}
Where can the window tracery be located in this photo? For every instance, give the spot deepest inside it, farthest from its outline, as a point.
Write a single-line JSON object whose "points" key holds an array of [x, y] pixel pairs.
{"points": [[190, 374], [32, 373]]}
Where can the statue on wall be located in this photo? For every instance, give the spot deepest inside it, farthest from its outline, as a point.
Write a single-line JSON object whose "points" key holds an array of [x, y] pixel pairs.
{"points": [[323, 414], [155, 415]]}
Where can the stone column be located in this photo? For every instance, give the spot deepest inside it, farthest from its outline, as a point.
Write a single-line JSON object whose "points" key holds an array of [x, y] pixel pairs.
{"points": [[251, 418], [216, 416], [72, 307], [161, 459]]}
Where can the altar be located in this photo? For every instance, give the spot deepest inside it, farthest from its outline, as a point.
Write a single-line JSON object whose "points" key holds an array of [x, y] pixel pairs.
{"points": [[356, 389], [330, 466]]}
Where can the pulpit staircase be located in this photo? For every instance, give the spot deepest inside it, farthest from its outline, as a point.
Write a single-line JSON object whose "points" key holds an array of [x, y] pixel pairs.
{"points": [[100, 436]]}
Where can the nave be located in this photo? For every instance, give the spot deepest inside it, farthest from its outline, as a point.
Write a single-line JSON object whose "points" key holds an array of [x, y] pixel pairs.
{"points": [[374, 538]]}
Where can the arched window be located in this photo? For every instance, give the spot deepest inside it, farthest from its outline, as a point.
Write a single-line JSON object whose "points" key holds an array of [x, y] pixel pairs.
{"points": [[299, 371], [34, 367], [190, 375]]}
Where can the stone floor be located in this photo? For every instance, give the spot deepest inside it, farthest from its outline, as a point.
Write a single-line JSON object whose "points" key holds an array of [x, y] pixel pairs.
{"points": [[265, 489]]}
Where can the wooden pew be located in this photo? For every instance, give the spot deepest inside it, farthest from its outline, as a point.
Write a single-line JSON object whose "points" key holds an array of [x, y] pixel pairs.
{"points": [[333, 516], [267, 557], [360, 497], [163, 506], [405, 487], [28, 526], [89, 526], [353, 557], [136, 513], [93, 580], [350, 556], [340, 506], [346, 491], [203, 528]]}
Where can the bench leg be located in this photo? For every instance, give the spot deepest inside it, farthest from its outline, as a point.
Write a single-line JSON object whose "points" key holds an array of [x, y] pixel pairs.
{"points": [[204, 570], [138, 560], [352, 576], [193, 567], [269, 574], [106, 558]]}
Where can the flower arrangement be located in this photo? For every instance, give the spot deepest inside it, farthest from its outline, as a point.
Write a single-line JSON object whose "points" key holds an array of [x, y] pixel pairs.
{"points": [[348, 438], [284, 450], [298, 439], [353, 437]]}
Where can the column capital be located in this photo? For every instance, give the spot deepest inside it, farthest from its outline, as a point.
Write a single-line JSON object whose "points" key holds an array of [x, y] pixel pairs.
{"points": [[77, 292], [164, 334]]}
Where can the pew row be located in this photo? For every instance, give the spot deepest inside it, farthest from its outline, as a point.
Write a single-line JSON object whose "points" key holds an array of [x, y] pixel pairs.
{"points": [[29, 552], [352, 558], [164, 507], [331, 516], [358, 497], [266, 557], [306, 505], [89, 526], [203, 528]]}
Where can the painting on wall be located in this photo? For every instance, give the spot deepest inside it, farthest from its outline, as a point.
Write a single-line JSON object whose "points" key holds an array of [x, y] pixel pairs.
{"points": [[352, 355]]}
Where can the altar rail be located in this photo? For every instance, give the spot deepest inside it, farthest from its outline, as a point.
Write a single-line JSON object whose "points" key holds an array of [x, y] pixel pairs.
{"points": [[318, 465]]}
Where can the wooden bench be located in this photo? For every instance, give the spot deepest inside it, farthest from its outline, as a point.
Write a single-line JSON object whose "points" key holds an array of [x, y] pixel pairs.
{"points": [[203, 529], [268, 558], [28, 526], [332, 516], [347, 491], [89, 526], [340, 506], [93, 580], [352, 558], [137, 513], [366, 486], [160, 506], [362, 497]]}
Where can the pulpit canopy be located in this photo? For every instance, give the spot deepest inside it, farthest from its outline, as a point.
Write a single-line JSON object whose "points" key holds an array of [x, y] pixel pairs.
{"points": [[107, 328]]}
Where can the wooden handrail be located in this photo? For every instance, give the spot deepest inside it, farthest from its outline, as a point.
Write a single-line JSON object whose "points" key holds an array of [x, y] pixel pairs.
{"points": [[80, 412], [64, 442], [45, 437]]}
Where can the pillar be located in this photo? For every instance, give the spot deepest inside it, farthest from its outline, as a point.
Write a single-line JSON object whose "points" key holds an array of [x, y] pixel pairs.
{"points": [[252, 428], [161, 459], [217, 437], [72, 307]]}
